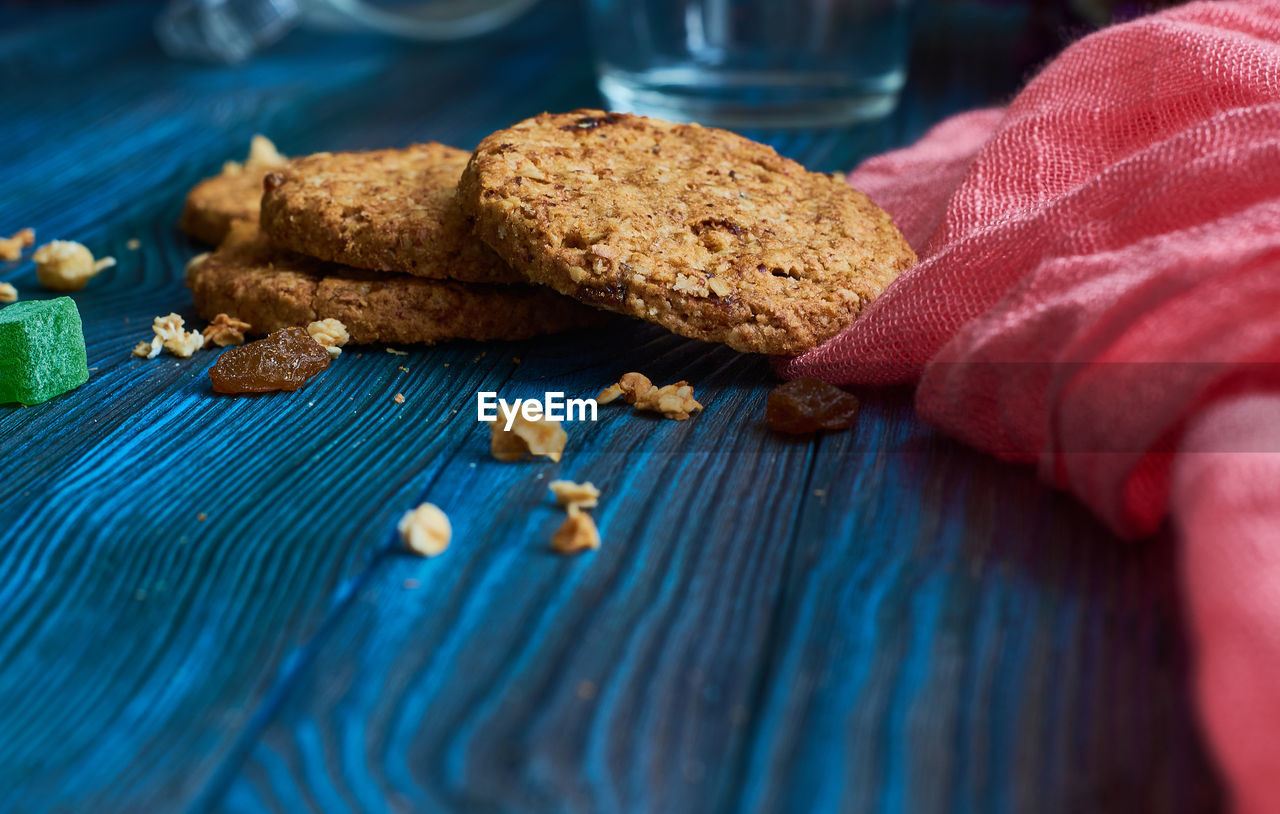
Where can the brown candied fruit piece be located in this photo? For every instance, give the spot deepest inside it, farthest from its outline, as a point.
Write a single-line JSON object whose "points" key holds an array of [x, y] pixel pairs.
{"points": [[285, 360], [808, 405]]}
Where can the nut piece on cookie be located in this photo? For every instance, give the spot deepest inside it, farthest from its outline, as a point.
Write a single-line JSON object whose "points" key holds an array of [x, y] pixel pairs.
{"points": [[64, 265], [8, 293], [11, 247], [577, 533], [226, 330], [568, 493], [674, 401], [527, 436], [425, 530], [330, 333]]}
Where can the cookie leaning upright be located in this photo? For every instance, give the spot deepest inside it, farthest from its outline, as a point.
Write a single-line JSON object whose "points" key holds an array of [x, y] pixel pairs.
{"points": [[383, 210], [706, 233]]}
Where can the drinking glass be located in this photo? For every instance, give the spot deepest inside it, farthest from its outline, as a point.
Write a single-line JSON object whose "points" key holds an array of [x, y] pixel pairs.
{"points": [[751, 63]]}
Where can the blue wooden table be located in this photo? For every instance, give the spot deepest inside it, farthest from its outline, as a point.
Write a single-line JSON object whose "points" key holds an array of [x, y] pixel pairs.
{"points": [[203, 606]]}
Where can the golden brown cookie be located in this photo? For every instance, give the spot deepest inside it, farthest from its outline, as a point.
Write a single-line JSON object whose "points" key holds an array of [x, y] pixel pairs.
{"points": [[271, 288], [384, 210], [233, 194], [706, 233]]}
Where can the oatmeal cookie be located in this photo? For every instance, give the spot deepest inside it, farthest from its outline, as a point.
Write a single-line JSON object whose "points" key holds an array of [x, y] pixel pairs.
{"points": [[271, 289], [702, 231], [383, 210]]}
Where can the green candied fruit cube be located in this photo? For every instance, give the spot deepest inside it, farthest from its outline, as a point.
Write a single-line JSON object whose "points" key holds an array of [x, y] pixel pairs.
{"points": [[41, 350]]}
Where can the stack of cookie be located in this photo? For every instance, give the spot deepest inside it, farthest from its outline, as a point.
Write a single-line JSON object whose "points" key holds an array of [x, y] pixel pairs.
{"points": [[706, 233], [372, 239]]}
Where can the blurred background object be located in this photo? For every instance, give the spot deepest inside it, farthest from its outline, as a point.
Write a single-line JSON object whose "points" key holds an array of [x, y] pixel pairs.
{"points": [[232, 30], [751, 63]]}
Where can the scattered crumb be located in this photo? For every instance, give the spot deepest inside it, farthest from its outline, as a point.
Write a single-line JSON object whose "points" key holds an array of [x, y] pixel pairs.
{"points": [[479, 356], [582, 495], [177, 341], [8, 293], [395, 352], [148, 350], [515, 360], [225, 330], [330, 333], [133, 244], [674, 401], [410, 584], [202, 517], [64, 265], [11, 247], [610, 394], [404, 369], [399, 399], [586, 690], [577, 533], [537, 437], [819, 492], [446, 364], [425, 530]]}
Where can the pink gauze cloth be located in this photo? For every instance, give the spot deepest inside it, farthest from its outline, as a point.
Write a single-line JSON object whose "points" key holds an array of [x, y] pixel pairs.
{"points": [[1099, 293]]}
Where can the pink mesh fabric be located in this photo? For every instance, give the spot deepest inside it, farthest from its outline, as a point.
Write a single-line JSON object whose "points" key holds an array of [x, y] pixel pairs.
{"points": [[1099, 286]]}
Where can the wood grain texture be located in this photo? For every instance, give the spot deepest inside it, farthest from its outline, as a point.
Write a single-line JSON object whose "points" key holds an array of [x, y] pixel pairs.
{"points": [[874, 621]]}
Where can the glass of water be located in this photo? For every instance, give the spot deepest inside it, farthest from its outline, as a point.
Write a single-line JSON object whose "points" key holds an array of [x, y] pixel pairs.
{"points": [[752, 63]]}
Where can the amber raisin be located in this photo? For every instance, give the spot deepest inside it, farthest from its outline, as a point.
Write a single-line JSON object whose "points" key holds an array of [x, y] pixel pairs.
{"points": [[285, 360], [809, 405]]}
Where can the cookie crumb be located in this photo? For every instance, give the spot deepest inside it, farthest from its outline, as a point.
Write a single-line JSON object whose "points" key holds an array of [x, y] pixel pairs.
{"points": [[425, 530], [64, 265], [583, 495], [674, 401], [395, 352], [133, 244], [330, 333], [148, 350], [404, 369], [177, 341], [226, 330], [399, 399], [535, 437], [8, 293], [586, 690], [201, 517], [577, 533], [11, 247]]}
